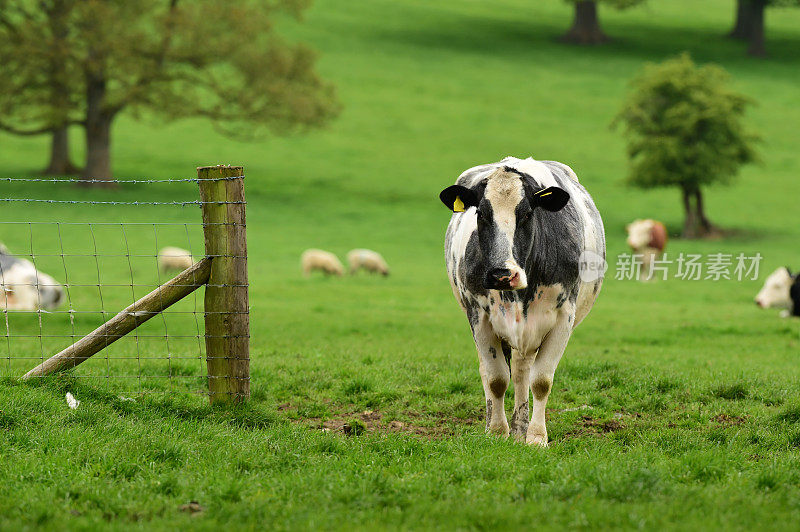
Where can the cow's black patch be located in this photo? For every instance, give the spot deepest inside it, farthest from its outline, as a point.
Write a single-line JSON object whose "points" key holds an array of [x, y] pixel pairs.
{"points": [[472, 268], [506, 353], [794, 292], [7, 261], [493, 351], [471, 308], [561, 299]]}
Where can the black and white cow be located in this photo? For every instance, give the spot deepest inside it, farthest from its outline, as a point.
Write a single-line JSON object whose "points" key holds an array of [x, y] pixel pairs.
{"points": [[781, 290], [514, 247], [23, 287]]}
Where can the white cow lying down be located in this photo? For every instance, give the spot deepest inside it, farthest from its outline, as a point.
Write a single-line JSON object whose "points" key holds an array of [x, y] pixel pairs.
{"points": [[22, 287], [781, 290]]}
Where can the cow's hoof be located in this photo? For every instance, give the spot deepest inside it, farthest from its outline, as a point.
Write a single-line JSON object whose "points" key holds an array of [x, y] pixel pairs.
{"points": [[537, 436], [538, 440], [500, 431]]}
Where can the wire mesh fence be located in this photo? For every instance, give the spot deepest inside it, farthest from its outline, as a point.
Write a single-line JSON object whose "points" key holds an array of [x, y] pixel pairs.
{"points": [[73, 259]]}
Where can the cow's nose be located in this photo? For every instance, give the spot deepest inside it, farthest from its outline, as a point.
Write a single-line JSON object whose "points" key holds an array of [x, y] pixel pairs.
{"points": [[502, 278], [759, 303]]}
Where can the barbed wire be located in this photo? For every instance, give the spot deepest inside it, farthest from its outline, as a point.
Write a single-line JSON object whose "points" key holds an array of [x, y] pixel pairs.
{"points": [[112, 181], [100, 202]]}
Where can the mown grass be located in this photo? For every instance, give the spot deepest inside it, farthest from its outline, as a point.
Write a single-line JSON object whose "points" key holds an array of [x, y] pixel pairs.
{"points": [[675, 406]]}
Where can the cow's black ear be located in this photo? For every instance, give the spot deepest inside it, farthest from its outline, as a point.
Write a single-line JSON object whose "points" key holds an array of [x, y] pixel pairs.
{"points": [[458, 198], [552, 199]]}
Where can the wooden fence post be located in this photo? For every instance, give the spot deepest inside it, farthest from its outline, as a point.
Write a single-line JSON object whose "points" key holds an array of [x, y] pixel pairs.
{"points": [[227, 317]]}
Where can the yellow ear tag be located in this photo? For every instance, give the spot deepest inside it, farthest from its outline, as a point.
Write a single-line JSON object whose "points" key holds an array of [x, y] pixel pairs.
{"points": [[458, 205], [543, 195]]}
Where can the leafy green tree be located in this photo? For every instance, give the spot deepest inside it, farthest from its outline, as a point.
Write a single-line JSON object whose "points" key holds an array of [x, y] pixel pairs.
{"points": [[586, 24], [749, 25], [218, 59], [684, 129], [34, 98]]}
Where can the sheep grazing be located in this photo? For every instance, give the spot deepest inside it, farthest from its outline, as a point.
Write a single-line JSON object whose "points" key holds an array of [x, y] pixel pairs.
{"points": [[172, 258], [23, 287], [371, 261], [317, 259]]}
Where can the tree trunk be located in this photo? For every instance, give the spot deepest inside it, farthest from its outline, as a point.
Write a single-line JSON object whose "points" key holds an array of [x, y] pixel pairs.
{"points": [[60, 163], [690, 217], [696, 224], [704, 224], [757, 48], [585, 28], [98, 133], [743, 26]]}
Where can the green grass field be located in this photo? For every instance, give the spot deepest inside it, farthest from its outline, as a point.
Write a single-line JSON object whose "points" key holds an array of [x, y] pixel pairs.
{"points": [[693, 399]]}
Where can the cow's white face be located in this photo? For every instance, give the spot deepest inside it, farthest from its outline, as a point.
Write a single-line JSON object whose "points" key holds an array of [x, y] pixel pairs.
{"points": [[776, 291], [504, 207], [639, 233]]}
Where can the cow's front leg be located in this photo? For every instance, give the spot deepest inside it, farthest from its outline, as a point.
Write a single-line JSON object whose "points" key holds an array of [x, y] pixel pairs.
{"points": [[544, 367], [521, 375], [494, 375]]}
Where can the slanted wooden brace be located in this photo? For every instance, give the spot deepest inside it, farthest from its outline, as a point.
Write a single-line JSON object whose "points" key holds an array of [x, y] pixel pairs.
{"points": [[224, 273]]}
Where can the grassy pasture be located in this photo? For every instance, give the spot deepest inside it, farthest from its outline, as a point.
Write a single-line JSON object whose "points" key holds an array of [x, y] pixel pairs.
{"points": [[692, 414]]}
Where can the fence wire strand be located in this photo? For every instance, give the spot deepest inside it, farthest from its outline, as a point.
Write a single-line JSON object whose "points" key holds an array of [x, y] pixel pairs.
{"points": [[93, 260]]}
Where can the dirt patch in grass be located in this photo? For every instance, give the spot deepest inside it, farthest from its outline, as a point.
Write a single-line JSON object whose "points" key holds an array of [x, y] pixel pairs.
{"points": [[374, 421], [728, 420], [589, 426]]}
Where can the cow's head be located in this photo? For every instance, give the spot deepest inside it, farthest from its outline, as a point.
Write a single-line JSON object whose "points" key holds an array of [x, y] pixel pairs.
{"points": [[776, 291], [23, 287], [504, 204]]}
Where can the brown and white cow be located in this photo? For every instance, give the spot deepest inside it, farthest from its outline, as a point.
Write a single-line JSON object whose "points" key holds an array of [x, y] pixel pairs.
{"points": [[648, 239], [515, 249], [781, 290], [23, 287]]}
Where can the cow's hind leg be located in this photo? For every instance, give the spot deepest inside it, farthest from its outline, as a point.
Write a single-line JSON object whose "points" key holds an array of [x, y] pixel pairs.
{"points": [[494, 375], [544, 367]]}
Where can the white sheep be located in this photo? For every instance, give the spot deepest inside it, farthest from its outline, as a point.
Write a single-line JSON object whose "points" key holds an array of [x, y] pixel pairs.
{"points": [[372, 261], [172, 258], [325, 261]]}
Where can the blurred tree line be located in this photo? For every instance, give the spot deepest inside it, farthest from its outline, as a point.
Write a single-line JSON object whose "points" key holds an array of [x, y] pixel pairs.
{"points": [[82, 62], [748, 25]]}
